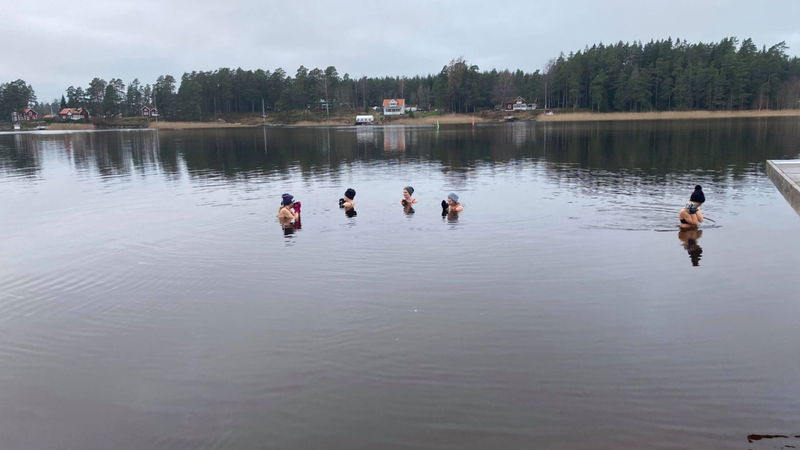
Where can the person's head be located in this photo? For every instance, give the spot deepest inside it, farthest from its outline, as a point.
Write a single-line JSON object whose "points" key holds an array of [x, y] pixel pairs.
{"points": [[350, 194], [452, 198], [408, 191], [697, 196], [287, 200]]}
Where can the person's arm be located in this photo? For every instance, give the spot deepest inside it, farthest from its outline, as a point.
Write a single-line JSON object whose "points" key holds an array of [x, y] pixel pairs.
{"points": [[457, 208], [699, 216]]}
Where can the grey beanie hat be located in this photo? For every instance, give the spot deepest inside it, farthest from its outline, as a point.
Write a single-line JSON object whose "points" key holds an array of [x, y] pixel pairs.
{"points": [[453, 196]]}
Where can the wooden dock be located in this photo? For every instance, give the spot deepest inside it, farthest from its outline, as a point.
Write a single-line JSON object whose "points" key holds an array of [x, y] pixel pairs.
{"points": [[785, 174]]}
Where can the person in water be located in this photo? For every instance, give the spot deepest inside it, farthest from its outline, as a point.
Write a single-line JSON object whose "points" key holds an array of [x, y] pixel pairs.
{"points": [[347, 201], [289, 212], [451, 205], [691, 215], [408, 200]]}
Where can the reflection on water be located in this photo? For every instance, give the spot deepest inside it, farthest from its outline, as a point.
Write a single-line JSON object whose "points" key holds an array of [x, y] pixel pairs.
{"points": [[689, 240], [146, 293]]}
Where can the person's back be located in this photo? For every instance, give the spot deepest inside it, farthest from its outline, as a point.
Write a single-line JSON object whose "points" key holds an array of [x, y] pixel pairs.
{"points": [[690, 216]]}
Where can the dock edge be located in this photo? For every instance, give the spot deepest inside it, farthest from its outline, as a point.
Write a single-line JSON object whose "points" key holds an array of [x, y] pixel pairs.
{"points": [[788, 187]]}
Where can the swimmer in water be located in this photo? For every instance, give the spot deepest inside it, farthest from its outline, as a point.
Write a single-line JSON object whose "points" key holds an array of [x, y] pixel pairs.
{"points": [[347, 201], [451, 205], [408, 200], [691, 215], [289, 212]]}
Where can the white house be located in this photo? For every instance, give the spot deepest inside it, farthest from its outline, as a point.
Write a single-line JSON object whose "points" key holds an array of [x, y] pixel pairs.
{"points": [[394, 106], [519, 104]]}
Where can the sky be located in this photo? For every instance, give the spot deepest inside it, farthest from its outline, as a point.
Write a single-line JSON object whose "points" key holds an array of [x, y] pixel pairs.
{"points": [[54, 44]]}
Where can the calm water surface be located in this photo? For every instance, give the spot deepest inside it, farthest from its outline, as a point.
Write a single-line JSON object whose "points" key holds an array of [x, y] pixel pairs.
{"points": [[150, 299]]}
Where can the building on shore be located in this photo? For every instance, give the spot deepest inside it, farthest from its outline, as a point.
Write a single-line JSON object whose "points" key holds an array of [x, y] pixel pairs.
{"points": [[394, 106], [519, 104], [148, 111], [29, 114], [73, 114]]}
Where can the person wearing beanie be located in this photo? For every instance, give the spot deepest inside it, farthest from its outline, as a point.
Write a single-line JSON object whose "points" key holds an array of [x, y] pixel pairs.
{"points": [[408, 200], [289, 212], [347, 201], [698, 196], [451, 205]]}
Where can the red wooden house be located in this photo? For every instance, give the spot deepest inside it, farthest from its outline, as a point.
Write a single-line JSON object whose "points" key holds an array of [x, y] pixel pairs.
{"points": [[148, 111], [29, 114], [74, 114]]}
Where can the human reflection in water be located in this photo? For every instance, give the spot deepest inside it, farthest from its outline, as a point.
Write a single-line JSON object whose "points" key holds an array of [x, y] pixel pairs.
{"points": [[689, 240], [408, 209]]}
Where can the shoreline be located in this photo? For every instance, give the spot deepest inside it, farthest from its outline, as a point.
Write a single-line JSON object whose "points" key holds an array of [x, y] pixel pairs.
{"points": [[665, 115], [497, 117], [462, 119]]}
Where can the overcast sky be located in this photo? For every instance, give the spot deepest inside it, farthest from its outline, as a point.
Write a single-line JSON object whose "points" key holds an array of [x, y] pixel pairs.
{"points": [[55, 44]]}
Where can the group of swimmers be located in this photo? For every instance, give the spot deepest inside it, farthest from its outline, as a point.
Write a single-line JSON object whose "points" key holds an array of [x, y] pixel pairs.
{"points": [[289, 211], [690, 216]]}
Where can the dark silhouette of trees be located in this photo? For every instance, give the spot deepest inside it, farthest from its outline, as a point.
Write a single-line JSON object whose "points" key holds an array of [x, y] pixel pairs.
{"points": [[661, 75]]}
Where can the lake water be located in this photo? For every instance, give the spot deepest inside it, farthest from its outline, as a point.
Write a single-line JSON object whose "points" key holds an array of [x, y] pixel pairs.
{"points": [[150, 299]]}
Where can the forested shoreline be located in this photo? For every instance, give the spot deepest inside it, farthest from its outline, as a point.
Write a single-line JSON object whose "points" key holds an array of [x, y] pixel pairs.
{"points": [[663, 75]]}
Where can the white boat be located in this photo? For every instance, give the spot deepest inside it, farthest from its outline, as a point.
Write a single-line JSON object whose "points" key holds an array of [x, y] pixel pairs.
{"points": [[17, 126]]}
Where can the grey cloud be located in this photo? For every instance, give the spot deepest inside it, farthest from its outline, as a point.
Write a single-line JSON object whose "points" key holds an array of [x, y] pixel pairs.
{"points": [[57, 44]]}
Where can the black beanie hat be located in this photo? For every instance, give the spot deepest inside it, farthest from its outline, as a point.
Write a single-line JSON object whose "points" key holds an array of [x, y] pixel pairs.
{"points": [[350, 193], [697, 195]]}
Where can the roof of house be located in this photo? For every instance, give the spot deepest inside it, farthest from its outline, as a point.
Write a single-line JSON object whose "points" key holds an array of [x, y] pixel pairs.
{"points": [[72, 111], [400, 101], [516, 99], [27, 109]]}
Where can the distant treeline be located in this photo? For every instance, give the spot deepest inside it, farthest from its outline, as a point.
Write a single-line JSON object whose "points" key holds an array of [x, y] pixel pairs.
{"points": [[660, 75]]}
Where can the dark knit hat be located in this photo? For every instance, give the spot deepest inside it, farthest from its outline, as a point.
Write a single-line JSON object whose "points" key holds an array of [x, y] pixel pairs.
{"points": [[697, 195], [409, 189], [350, 193], [287, 199]]}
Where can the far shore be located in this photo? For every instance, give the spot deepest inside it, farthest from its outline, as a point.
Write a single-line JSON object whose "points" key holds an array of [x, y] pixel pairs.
{"points": [[163, 125], [665, 115], [456, 119]]}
